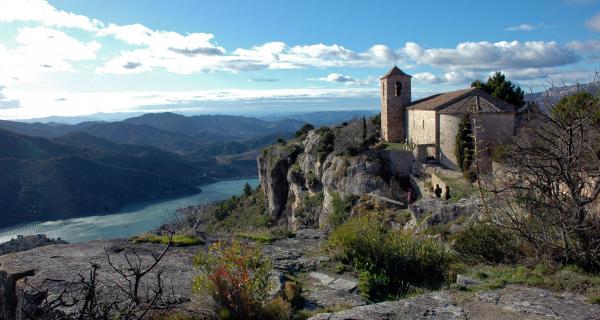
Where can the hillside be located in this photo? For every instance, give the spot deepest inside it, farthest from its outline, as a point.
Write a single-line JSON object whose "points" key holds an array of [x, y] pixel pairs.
{"points": [[71, 186], [80, 174], [215, 126]]}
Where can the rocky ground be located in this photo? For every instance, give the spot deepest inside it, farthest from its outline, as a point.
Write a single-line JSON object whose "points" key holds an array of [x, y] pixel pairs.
{"points": [[511, 303], [299, 257], [24, 243]]}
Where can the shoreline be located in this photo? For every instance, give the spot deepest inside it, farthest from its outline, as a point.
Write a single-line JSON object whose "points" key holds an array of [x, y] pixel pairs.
{"points": [[131, 219]]}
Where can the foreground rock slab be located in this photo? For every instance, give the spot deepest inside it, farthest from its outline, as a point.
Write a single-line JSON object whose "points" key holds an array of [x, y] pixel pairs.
{"points": [[22, 274], [511, 302]]}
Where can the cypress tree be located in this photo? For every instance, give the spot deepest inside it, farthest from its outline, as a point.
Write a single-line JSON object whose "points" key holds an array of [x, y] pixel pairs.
{"points": [[464, 143]]}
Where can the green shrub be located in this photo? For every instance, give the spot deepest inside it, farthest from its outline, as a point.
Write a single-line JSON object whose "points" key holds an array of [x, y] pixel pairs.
{"points": [[304, 130], [340, 209], [594, 299], [179, 240], [277, 309], [293, 293], [393, 260], [486, 243], [236, 276]]}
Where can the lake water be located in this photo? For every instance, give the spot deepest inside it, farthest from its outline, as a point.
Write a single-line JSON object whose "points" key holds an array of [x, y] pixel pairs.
{"points": [[131, 220]]}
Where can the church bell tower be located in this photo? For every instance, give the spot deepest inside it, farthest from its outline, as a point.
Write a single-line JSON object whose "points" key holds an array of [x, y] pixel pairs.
{"points": [[395, 97]]}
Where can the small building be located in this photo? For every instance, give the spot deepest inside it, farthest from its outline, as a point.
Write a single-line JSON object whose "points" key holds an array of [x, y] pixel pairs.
{"points": [[432, 123]]}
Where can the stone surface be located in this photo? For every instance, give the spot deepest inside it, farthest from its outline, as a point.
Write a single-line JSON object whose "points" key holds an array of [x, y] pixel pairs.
{"points": [[24, 243], [23, 271], [429, 212], [321, 290], [465, 281], [511, 302]]}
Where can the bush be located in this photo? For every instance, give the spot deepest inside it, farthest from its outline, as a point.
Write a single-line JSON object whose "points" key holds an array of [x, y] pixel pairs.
{"points": [[293, 293], [236, 276], [486, 243], [340, 209], [389, 261], [304, 130], [277, 309], [179, 240]]}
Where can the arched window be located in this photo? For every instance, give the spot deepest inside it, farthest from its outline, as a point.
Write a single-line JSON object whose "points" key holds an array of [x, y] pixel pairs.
{"points": [[398, 88], [423, 124], [383, 88]]}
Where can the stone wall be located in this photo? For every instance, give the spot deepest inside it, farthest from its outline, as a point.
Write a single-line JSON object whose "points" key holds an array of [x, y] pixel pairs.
{"points": [[398, 162], [421, 126], [448, 130], [494, 129]]}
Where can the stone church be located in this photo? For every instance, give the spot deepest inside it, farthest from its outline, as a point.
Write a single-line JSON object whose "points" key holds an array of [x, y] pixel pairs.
{"points": [[432, 123]]}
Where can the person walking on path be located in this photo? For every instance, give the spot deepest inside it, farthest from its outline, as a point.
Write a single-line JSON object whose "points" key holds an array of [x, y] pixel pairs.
{"points": [[438, 191]]}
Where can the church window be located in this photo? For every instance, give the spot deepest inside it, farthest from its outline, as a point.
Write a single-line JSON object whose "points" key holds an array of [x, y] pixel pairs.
{"points": [[383, 89], [398, 88], [423, 124]]}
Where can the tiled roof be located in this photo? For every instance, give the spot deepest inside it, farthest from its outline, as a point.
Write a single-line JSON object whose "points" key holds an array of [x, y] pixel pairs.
{"points": [[394, 72], [470, 100]]}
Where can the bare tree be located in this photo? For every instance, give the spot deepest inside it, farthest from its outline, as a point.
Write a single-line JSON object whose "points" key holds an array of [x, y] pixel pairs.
{"points": [[140, 291], [548, 186]]}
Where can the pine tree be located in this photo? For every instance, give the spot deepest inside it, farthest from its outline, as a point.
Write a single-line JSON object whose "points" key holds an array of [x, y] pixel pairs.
{"points": [[499, 87]]}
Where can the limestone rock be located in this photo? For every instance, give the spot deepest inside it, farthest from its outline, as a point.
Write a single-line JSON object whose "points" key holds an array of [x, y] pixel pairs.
{"points": [[273, 167], [511, 302], [434, 306]]}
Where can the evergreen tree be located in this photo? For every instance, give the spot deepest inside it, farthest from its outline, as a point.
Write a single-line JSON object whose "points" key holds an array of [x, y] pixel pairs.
{"points": [[247, 190], [364, 128], [499, 87], [464, 144]]}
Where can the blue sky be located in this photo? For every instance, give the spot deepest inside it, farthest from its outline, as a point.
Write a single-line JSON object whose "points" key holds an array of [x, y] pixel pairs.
{"points": [[72, 57]]}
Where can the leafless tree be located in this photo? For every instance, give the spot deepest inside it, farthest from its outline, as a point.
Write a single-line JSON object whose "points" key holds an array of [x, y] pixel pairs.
{"points": [[140, 292], [548, 186]]}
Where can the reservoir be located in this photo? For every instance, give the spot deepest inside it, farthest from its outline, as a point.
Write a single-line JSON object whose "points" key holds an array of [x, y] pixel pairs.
{"points": [[129, 221]]}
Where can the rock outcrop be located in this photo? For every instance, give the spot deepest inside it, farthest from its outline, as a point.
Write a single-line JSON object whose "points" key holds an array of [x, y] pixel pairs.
{"points": [[511, 302], [302, 179], [24, 243]]}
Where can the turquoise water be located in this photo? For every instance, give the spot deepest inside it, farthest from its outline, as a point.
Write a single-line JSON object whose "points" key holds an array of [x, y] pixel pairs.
{"points": [[130, 220]]}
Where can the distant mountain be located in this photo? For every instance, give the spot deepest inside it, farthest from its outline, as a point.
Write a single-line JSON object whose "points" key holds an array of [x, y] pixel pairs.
{"points": [[169, 131], [546, 99], [79, 174], [215, 126], [324, 118]]}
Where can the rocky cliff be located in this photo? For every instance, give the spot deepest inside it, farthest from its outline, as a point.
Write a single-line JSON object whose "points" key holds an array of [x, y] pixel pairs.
{"points": [[304, 178]]}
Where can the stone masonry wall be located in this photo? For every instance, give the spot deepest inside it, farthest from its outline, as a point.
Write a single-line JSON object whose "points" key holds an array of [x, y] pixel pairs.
{"points": [[421, 126]]}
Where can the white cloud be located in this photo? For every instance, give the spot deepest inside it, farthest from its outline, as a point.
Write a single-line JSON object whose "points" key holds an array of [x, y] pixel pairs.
{"points": [[530, 27], [45, 103], [594, 23], [347, 80], [451, 77], [196, 53], [426, 77], [42, 11], [499, 55], [6, 102], [522, 27], [336, 77], [43, 50]]}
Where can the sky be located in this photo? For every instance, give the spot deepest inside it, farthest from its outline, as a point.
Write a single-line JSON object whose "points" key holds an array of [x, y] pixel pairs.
{"points": [[73, 57]]}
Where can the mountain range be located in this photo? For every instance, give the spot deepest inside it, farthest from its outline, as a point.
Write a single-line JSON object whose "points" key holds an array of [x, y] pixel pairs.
{"points": [[56, 171]]}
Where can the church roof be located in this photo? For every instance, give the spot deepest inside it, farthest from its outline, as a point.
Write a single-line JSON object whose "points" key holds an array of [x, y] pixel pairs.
{"points": [[394, 72], [470, 100]]}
